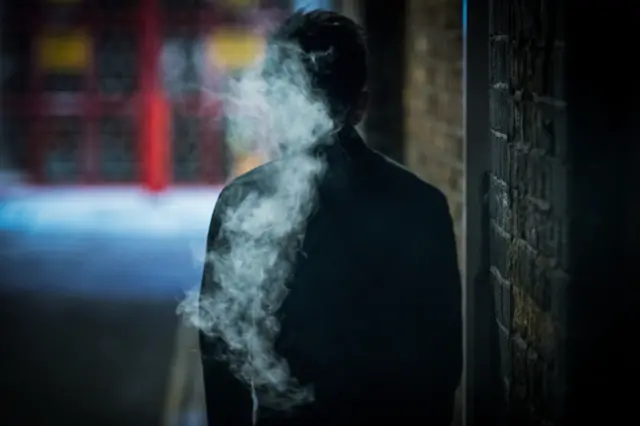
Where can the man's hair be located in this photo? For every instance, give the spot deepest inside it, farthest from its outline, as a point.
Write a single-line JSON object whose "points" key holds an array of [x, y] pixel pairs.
{"points": [[335, 54]]}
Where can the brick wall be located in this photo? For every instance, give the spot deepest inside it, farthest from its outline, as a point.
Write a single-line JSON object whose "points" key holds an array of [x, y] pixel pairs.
{"points": [[433, 145], [528, 203]]}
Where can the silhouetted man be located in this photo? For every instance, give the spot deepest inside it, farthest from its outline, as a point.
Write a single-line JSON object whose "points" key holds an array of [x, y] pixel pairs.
{"points": [[373, 316]]}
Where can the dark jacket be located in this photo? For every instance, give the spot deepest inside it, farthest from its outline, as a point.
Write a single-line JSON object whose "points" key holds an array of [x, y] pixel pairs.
{"points": [[373, 317]]}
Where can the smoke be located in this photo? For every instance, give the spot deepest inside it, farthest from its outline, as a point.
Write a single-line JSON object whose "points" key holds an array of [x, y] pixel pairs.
{"points": [[274, 109]]}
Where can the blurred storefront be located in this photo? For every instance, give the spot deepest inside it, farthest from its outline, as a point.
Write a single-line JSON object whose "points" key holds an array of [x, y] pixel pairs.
{"points": [[124, 91]]}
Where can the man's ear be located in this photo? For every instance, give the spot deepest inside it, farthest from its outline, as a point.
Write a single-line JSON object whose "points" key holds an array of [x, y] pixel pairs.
{"points": [[361, 108]]}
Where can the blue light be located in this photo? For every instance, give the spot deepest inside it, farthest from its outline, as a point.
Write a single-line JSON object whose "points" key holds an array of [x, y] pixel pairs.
{"points": [[311, 4], [464, 17]]}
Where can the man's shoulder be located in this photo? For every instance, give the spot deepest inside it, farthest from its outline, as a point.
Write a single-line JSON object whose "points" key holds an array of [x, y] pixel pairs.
{"points": [[399, 180], [254, 176], [399, 177], [256, 180]]}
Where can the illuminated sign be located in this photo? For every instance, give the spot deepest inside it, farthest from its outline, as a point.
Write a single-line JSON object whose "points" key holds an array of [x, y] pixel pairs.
{"points": [[235, 48], [64, 52]]}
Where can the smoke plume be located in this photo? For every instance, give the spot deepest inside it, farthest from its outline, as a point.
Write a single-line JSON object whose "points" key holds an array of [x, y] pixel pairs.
{"points": [[274, 108]]}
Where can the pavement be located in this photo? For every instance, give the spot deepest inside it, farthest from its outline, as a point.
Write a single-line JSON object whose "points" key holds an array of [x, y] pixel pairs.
{"points": [[89, 284]]}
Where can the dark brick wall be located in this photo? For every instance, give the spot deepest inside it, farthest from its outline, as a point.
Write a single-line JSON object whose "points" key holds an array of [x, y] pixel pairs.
{"points": [[563, 129], [528, 203]]}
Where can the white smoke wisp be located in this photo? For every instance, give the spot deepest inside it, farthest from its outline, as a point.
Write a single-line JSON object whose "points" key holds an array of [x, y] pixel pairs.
{"points": [[282, 116]]}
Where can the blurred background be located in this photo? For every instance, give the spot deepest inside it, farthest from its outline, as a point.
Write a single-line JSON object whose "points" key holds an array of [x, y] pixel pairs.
{"points": [[112, 152], [113, 149]]}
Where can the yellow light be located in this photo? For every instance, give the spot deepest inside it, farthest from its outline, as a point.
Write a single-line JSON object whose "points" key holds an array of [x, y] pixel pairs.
{"points": [[64, 51], [235, 48]]}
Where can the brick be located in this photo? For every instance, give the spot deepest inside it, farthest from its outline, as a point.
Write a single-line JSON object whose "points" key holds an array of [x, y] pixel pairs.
{"points": [[537, 186], [455, 181], [535, 222], [431, 73], [499, 64], [518, 168], [456, 143], [499, 111], [498, 10], [519, 368], [524, 19], [498, 251], [451, 16], [433, 102], [507, 305], [502, 299], [451, 107], [529, 321], [499, 157], [454, 80], [542, 129], [526, 120], [504, 342], [500, 206]]}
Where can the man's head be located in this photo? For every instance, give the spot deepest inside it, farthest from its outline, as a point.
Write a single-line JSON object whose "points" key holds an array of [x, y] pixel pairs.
{"points": [[334, 56]]}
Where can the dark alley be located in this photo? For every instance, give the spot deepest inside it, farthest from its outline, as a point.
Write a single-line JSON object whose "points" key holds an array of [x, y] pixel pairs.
{"points": [[116, 140]]}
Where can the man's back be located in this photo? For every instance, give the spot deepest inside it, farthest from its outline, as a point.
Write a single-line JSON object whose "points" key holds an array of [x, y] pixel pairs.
{"points": [[372, 319]]}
